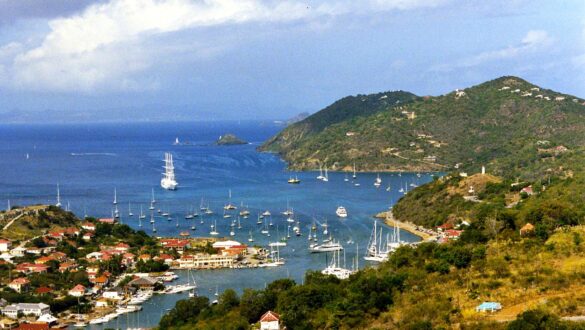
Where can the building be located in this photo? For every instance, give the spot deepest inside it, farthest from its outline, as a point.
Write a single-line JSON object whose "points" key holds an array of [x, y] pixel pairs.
{"points": [[270, 321], [5, 245], [489, 306], [20, 284], [527, 229], [78, 291], [206, 261], [113, 294], [527, 190], [88, 226], [147, 283], [109, 221], [13, 310]]}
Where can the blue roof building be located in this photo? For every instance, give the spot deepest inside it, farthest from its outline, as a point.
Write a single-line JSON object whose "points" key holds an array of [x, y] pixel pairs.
{"points": [[489, 306]]}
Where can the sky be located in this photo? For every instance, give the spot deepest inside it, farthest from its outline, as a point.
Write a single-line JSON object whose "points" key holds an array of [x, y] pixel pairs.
{"points": [[89, 60]]}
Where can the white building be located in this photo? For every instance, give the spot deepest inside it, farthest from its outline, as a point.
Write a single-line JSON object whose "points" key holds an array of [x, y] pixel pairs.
{"points": [[13, 310], [113, 294], [5, 245], [270, 321]]}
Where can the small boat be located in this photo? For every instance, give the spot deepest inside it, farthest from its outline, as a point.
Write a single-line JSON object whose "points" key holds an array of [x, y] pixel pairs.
{"points": [[346, 179], [184, 233], [354, 175], [378, 182], [320, 176], [294, 180], [326, 177], [152, 200], [213, 232], [341, 212], [115, 197], [250, 239], [266, 213], [229, 205], [130, 214], [142, 216]]}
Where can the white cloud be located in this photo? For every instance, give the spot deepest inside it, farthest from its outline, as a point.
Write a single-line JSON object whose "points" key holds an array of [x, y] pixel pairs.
{"points": [[533, 41], [105, 46]]}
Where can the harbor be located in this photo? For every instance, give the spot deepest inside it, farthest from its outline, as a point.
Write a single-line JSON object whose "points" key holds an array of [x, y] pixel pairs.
{"points": [[206, 175]]}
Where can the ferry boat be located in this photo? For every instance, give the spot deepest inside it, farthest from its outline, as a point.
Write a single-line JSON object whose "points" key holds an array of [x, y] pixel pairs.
{"points": [[168, 180], [341, 212]]}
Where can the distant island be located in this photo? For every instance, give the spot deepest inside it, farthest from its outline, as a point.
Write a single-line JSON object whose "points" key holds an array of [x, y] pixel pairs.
{"points": [[229, 140]]}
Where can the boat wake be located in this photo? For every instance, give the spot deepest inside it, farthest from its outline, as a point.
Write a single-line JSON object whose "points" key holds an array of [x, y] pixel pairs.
{"points": [[93, 154]]}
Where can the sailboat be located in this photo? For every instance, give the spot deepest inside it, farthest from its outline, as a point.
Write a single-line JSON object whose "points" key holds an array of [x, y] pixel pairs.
{"points": [[378, 182], [58, 204], [334, 268], [229, 205], [346, 179], [213, 229], [288, 210], [354, 175], [326, 177], [375, 251], [294, 180], [152, 200], [265, 230], [239, 224], [320, 176], [250, 239], [168, 180], [115, 197], [130, 214], [153, 228], [151, 217], [290, 217]]}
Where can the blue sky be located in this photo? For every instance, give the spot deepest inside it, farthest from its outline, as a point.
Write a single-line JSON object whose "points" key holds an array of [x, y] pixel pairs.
{"points": [[255, 59]]}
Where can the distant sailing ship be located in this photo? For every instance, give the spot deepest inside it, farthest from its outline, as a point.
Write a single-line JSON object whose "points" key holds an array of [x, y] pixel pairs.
{"points": [[168, 181]]}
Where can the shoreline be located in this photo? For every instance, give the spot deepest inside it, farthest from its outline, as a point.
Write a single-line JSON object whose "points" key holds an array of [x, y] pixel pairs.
{"points": [[389, 219]]}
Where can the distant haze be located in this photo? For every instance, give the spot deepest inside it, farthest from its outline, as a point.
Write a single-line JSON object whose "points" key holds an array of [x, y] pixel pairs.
{"points": [[147, 60]]}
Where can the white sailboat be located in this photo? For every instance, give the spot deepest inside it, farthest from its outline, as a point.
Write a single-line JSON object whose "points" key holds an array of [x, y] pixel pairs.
{"points": [[378, 182], [334, 268], [213, 231], [229, 205], [115, 197], [58, 204], [130, 214], [320, 176], [152, 200], [326, 177], [251, 238], [168, 180], [375, 251], [354, 175]]}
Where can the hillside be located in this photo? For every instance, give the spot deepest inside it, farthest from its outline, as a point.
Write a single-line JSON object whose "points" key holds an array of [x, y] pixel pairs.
{"points": [[498, 124], [31, 221]]}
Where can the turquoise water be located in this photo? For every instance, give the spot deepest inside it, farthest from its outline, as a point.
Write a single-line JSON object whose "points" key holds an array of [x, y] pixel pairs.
{"points": [[90, 161]]}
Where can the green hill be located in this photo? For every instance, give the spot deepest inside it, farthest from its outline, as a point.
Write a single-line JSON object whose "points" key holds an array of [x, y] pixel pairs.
{"points": [[21, 223], [497, 124]]}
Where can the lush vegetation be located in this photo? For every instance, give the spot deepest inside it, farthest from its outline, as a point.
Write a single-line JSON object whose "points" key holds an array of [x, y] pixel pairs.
{"points": [[486, 126], [431, 286]]}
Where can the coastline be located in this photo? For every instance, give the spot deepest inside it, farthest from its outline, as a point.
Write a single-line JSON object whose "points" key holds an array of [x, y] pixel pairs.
{"points": [[388, 218]]}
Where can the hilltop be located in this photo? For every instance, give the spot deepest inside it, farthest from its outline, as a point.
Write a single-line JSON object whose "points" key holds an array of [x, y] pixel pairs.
{"points": [[493, 124], [21, 223]]}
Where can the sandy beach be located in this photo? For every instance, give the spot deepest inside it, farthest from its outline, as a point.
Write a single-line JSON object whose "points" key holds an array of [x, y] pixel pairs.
{"points": [[407, 226]]}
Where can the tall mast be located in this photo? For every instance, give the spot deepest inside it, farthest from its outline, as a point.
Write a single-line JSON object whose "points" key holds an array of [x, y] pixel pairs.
{"points": [[58, 197]]}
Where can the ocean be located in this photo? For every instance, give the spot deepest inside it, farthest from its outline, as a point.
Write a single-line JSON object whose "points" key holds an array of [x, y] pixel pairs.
{"points": [[90, 161]]}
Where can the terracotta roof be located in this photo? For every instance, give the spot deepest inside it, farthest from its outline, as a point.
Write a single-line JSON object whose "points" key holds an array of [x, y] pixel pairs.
{"points": [[270, 316], [79, 288], [20, 280], [33, 326], [43, 290]]}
